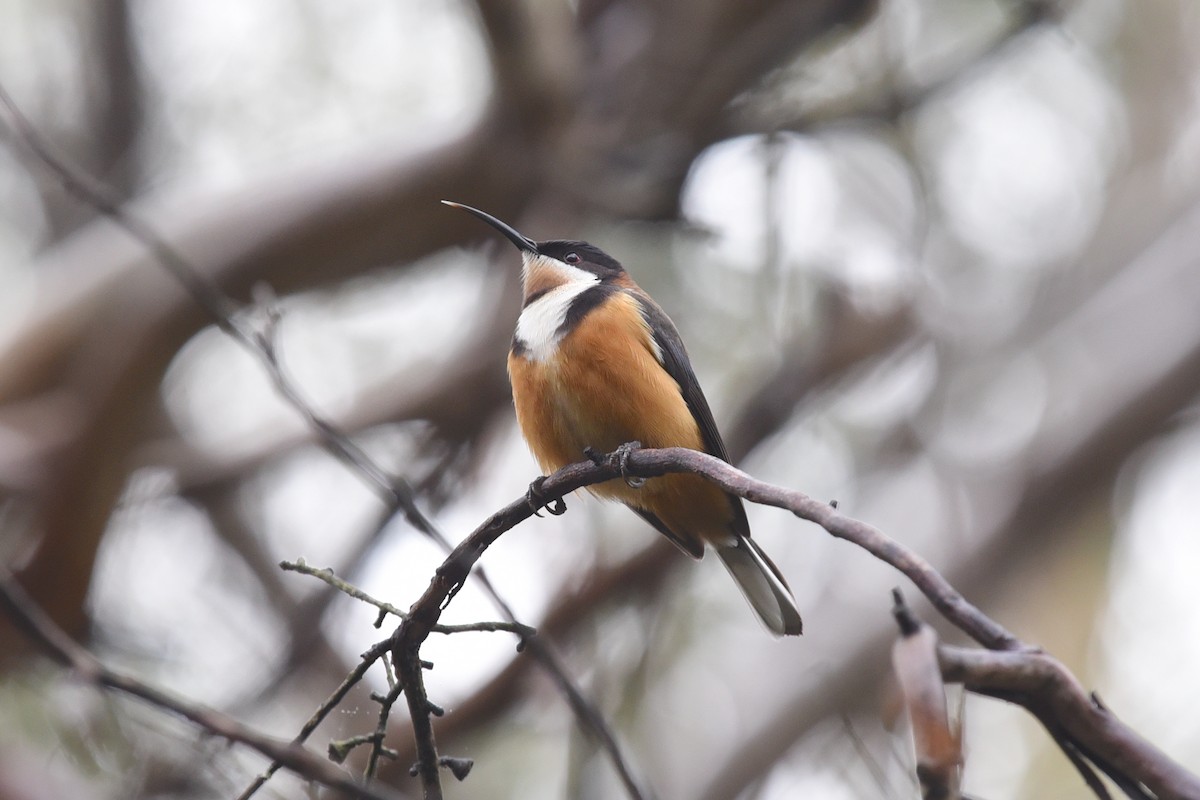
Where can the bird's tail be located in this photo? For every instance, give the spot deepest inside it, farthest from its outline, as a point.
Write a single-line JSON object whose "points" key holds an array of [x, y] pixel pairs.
{"points": [[763, 586]]}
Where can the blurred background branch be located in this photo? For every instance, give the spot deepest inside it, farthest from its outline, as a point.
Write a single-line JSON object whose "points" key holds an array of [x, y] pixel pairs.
{"points": [[934, 260], [48, 637]]}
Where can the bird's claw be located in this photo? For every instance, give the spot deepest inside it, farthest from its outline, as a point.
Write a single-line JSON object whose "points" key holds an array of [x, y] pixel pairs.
{"points": [[623, 453], [537, 500]]}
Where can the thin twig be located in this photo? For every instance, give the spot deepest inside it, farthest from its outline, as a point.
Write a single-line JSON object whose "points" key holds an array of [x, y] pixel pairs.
{"points": [[329, 577], [340, 750], [324, 710], [385, 709]]}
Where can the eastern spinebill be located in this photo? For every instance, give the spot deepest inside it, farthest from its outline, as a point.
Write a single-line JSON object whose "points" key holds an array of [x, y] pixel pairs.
{"points": [[595, 364]]}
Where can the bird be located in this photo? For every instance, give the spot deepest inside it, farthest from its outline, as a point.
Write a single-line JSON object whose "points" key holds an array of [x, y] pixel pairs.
{"points": [[595, 365]]}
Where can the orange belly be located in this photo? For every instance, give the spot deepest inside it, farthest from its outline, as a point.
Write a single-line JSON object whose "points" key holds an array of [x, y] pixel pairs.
{"points": [[603, 387]]}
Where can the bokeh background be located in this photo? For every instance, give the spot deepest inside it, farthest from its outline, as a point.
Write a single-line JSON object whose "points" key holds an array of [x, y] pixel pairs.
{"points": [[936, 259]]}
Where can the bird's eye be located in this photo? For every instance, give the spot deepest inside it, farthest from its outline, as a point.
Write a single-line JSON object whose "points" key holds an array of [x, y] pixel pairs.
{"points": [[572, 258]]}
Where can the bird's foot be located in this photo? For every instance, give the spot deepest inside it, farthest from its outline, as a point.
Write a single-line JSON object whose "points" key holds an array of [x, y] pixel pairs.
{"points": [[537, 499], [623, 453]]}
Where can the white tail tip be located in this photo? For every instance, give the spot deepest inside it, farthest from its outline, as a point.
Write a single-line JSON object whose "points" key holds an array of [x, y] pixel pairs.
{"points": [[763, 586]]}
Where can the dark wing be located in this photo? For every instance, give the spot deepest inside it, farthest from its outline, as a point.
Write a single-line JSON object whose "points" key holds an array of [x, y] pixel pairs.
{"points": [[674, 358], [675, 361], [693, 547]]}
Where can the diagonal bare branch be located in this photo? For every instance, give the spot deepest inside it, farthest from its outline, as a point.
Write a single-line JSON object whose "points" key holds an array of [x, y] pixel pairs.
{"points": [[58, 645]]}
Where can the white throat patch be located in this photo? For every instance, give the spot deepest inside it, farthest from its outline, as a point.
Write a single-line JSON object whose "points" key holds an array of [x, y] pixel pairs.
{"points": [[540, 322]]}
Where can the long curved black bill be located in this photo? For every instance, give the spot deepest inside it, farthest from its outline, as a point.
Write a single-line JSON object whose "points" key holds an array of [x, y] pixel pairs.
{"points": [[522, 242]]}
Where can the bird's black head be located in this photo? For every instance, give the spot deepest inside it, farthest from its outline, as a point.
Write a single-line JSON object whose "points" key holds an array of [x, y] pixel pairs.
{"points": [[582, 255], [579, 255]]}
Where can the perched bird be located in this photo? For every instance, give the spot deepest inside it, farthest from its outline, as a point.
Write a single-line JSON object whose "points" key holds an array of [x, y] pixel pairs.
{"points": [[595, 364]]}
